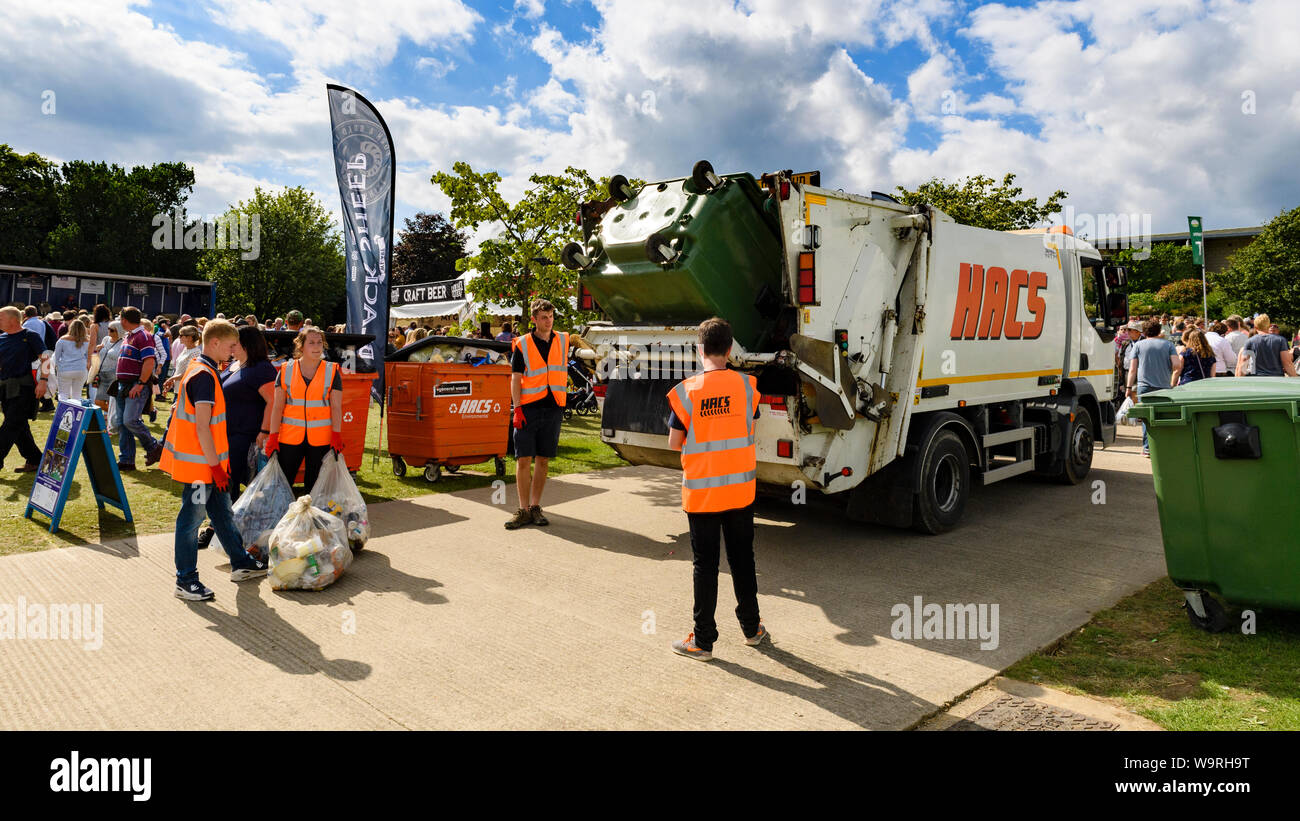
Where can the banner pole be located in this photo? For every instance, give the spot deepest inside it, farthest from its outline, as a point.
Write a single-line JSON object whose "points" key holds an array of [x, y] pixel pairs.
{"points": [[1205, 299]]}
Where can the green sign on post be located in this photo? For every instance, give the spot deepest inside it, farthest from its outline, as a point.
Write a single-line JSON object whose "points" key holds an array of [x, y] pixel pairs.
{"points": [[1194, 229]]}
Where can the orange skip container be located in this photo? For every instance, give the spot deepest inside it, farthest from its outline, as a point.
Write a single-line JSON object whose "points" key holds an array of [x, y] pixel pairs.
{"points": [[444, 415]]}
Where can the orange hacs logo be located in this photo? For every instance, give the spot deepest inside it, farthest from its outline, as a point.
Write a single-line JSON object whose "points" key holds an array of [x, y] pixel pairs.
{"points": [[988, 303]]}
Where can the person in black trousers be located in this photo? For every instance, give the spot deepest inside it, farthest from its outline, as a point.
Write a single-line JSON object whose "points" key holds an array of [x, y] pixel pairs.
{"points": [[19, 393]]}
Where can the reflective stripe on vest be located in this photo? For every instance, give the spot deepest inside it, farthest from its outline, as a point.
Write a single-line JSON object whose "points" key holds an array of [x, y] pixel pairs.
{"points": [[305, 417], [719, 468], [182, 454], [551, 374]]}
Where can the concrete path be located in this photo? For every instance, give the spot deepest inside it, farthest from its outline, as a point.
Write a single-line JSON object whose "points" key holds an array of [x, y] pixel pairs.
{"points": [[448, 621]]}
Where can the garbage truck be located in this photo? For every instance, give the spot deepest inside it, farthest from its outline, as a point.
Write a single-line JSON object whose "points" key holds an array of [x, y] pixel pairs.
{"points": [[901, 357]]}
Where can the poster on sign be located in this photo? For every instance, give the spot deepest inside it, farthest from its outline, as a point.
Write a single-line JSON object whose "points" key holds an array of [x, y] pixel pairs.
{"points": [[78, 428]]}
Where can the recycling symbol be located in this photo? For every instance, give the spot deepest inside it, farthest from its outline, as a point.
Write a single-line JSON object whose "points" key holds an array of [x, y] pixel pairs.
{"points": [[347, 417]]}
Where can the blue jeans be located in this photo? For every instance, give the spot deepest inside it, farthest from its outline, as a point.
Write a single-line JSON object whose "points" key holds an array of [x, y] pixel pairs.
{"points": [[127, 418], [196, 502], [1141, 389]]}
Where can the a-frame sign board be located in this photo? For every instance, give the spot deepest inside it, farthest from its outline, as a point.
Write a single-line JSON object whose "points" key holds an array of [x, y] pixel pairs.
{"points": [[78, 428]]}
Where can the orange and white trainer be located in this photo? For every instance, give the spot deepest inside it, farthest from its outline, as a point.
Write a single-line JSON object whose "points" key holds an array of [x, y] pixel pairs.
{"points": [[691, 650]]}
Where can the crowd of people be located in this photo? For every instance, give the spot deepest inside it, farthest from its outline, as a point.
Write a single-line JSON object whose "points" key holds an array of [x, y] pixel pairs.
{"points": [[402, 335], [1159, 352], [217, 376]]}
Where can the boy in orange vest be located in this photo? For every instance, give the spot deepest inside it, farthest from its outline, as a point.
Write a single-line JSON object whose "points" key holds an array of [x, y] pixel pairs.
{"points": [[539, 385], [196, 453], [712, 424]]}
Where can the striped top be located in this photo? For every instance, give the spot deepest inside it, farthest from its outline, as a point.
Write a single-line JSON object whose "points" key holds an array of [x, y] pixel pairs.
{"points": [[136, 347]]}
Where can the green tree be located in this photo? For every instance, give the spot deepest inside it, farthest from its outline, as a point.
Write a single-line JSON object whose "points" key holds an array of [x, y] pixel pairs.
{"points": [[29, 207], [299, 260], [977, 201], [1165, 263], [107, 219], [426, 250], [537, 226], [1265, 275], [1181, 296]]}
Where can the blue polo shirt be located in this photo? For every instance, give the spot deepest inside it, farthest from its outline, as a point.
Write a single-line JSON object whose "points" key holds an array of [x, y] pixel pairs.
{"points": [[18, 351]]}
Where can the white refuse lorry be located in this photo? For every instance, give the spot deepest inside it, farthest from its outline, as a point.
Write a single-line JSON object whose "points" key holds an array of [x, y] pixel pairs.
{"points": [[901, 357]]}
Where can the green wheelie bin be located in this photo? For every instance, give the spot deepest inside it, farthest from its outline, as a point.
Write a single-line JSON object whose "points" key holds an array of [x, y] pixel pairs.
{"points": [[1225, 455]]}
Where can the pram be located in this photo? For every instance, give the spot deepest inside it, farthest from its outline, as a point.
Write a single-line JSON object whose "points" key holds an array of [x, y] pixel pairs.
{"points": [[581, 397]]}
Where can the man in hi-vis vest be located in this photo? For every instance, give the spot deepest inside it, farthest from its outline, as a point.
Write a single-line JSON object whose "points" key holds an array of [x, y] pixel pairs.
{"points": [[712, 424], [539, 386], [196, 453]]}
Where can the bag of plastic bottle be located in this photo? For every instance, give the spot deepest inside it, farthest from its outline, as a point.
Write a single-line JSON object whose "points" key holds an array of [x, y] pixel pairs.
{"points": [[336, 493], [261, 507], [307, 549]]}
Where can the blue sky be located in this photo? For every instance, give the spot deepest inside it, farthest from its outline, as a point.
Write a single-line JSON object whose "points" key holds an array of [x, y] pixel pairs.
{"points": [[1164, 107]]}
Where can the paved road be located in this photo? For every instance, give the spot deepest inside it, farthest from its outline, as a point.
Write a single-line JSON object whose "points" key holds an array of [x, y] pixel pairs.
{"points": [[450, 621]]}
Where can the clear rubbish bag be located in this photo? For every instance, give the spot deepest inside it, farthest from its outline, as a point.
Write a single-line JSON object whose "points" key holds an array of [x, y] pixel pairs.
{"points": [[308, 549], [336, 493], [261, 507]]}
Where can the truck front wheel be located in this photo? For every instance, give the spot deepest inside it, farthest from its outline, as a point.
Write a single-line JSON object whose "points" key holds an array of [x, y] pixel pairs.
{"points": [[945, 484], [1078, 448]]}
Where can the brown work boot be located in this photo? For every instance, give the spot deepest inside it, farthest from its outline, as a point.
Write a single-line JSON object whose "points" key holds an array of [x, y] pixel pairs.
{"points": [[538, 519], [522, 517]]}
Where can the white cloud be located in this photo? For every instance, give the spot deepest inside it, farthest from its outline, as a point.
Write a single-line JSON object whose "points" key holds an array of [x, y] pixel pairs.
{"points": [[531, 9], [1147, 122], [1134, 106], [552, 100], [437, 68], [331, 33]]}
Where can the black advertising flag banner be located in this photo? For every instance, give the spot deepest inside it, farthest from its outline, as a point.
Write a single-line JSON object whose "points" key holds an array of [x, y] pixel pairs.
{"points": [[367, 173]]}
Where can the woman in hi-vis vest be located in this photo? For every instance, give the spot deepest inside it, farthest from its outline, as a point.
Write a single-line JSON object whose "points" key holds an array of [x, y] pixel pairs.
{"points": [[307, 416]]}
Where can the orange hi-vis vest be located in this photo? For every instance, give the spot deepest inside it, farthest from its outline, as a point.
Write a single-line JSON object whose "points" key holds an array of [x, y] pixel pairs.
{"points": [[182, 455], [719, 465], [306, 406], [541, 375]]}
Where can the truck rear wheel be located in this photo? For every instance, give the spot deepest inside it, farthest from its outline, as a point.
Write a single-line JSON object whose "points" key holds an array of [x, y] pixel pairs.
{"points": [[945, 484], [1078, 449]]}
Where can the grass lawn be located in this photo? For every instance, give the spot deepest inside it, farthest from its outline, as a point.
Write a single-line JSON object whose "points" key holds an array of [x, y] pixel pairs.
{"points": [[1143, 654], [154, 497]]}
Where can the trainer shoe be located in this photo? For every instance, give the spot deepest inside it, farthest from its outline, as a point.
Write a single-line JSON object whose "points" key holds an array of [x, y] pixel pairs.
{"points": [[245, 573], [194, 591], [691, 650], [758, 638], [205, 537], [538, 519], [154, 455], [121, 468], [522, 517]]}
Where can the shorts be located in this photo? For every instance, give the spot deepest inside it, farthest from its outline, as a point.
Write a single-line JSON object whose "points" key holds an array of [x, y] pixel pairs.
{"points": [[540, 435]]}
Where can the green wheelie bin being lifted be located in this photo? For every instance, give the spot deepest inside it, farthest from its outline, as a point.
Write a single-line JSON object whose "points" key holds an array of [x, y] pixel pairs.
{"points": [[1225, 455]]}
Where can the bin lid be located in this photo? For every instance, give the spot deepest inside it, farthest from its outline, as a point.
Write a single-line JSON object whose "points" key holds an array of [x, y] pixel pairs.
{"points": [[403, 353], [1243, 391]]}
